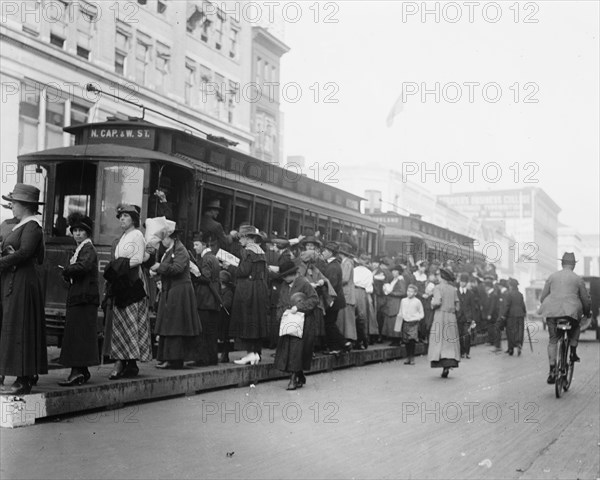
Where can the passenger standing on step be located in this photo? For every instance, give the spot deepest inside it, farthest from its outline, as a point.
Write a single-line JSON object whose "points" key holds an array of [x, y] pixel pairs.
{"points": [[23, 339], [177, 322], [250, 310], [129, 335], [80, 341]]}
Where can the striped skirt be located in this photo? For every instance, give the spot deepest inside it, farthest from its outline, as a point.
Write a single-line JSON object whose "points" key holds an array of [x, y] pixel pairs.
{"points": [[131, 332]]}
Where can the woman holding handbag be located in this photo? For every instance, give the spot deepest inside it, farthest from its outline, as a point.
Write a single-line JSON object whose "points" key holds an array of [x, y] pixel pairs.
{"points": [[294, 354]]}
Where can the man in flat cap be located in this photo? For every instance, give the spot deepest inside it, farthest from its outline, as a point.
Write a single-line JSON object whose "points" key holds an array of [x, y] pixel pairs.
{"points": [[564, 297]]}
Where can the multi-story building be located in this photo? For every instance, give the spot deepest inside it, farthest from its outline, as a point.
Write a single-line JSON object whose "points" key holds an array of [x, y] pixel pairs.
{"points": [[192, 60], [267, 50], [591, 254], [529, 215]]}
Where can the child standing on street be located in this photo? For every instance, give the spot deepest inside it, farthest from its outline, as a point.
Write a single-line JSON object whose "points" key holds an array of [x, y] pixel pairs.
{"points": [[411, 313]]}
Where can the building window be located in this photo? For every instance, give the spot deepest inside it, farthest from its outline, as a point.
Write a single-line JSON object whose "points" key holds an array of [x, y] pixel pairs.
{"points": [[258, 69], [121, 51], [190, 73], [205, 33], [30, 14], [267, 72], [163, 56], [233, 42], [57, 18], [207, 99], [56, 40], [85, 25], [142, 54], [233, 92], [220, 88], [219, 30], [48, 109], [29, 114], [55, 120], [161, 6]]}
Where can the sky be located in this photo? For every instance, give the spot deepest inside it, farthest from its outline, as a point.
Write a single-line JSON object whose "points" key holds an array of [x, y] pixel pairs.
{"points": [[518, 94]]}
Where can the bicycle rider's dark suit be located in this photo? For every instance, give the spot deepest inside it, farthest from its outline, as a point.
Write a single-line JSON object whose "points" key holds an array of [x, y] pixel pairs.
{"points": [[564, 295]]}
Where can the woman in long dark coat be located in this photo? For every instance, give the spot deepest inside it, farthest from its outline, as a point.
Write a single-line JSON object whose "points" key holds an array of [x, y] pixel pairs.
{"points": [[444, 344], [250, 309], [295, 354], [177, 321], [325, 291], [395, 294], [80, 342], [23, 337]]}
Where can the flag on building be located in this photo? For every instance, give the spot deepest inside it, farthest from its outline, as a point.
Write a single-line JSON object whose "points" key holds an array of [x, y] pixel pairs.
{"points": [[396, 109]]}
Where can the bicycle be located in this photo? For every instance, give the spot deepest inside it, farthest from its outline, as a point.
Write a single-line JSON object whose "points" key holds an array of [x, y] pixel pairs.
{"points": [[564, 365]]}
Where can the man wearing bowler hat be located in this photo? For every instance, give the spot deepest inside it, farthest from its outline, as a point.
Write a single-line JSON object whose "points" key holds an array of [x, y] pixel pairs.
{"points": [[564, 297]]}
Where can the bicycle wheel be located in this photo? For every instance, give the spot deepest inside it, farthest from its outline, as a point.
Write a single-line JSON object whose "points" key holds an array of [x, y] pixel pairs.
{"points": [[558, 384], [570, 367]]}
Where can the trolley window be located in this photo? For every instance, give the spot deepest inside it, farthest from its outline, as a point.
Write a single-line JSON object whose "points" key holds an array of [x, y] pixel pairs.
{"points": [[262, 210], [279, 219], [74, 191], [119, 184], [225, 199], [243, 209]]}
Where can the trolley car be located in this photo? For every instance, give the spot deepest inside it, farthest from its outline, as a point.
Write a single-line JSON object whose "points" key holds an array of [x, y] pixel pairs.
{"points": [[128, 161]]}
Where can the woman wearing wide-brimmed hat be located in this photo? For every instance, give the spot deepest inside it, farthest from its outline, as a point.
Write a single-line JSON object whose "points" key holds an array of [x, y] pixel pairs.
{"points": [[444, 345], [80, 341], [250, 310], [128, 338], [23, 333], [294, 355], [177, 321]]}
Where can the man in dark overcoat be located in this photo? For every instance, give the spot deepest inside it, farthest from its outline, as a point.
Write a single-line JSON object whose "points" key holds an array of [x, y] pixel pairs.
{"points": [[513, 315], [465, 315], [332, 269], [207, 288]]}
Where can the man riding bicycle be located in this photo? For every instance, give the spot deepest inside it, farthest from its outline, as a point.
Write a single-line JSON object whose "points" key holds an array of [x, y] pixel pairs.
{"points": [[564, 297]]}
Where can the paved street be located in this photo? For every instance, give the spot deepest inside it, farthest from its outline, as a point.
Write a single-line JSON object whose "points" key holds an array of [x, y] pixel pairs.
{"points": [[495, 417]]}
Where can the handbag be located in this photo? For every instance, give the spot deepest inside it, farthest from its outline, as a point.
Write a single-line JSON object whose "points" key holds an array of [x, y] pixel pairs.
{"points": [[292, 324]]}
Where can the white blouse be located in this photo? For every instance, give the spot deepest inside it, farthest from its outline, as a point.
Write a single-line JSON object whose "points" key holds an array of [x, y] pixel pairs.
{"points": [[133, 246]]}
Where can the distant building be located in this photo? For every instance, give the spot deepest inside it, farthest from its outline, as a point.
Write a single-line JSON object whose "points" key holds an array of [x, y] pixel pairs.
{"points": [[386, 190], [591, 254], [267, 50], [527, 214]]}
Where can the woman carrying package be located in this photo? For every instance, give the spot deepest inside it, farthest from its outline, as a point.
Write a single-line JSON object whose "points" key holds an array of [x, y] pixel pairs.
{"points": [[294, 354]]}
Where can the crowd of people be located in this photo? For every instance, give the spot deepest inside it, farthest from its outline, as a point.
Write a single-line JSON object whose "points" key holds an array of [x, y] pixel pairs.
{"points": [[338, 299]]}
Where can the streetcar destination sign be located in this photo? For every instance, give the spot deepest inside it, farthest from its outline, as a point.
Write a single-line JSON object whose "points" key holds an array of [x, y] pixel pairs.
{"points": [[132, 136]]}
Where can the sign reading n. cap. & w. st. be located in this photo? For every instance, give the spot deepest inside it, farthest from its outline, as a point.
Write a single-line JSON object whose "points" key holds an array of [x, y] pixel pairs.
{"points": [[131, 136]]}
